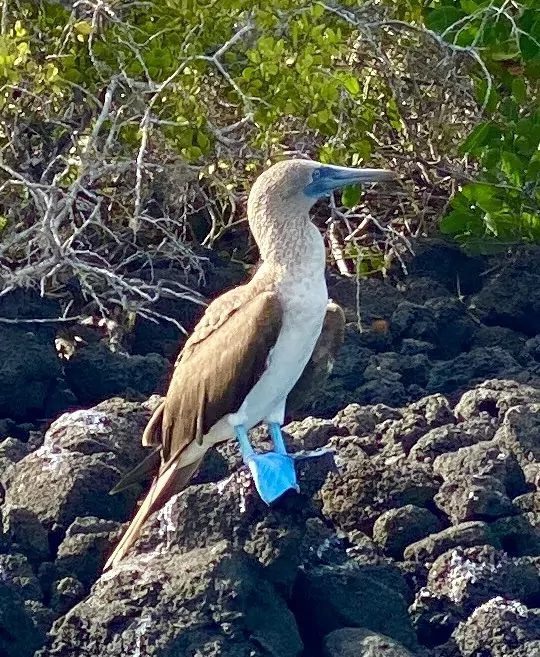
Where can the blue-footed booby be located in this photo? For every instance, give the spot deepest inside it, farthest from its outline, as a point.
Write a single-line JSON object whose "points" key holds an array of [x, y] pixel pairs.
{"points": [[252, 344]]}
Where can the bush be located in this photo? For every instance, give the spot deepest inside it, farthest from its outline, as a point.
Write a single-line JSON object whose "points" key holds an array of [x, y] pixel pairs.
{"points": [[132, 132]]}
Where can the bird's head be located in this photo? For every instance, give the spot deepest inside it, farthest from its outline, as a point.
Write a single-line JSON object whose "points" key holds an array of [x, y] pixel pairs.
{"points": [[302, 182]]}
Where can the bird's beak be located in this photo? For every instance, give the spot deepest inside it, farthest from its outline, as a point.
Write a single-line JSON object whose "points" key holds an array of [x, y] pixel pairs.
{"points": [[327, 178]]}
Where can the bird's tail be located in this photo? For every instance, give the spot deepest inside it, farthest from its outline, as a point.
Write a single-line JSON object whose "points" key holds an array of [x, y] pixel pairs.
{"points": [[145, 470], [172, 480]]}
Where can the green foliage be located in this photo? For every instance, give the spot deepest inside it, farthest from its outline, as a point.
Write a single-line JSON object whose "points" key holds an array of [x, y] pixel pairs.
{"points": [[161, 109], [503, 206]]}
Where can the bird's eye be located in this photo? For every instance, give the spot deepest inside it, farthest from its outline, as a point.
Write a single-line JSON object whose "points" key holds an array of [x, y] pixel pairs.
{"points": [[316, 174]]}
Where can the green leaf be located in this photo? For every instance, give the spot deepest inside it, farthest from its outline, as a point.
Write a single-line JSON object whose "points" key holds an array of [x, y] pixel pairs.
{"points": [[352, 85], [442, 18], [456, 222], [512, 166], [483, 195], [350, 196], [519, 90], [483, 135], [83, 27], [323, 116]]}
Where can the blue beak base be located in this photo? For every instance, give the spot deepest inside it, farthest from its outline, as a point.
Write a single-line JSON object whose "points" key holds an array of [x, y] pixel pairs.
{"points": [[327, 178]]}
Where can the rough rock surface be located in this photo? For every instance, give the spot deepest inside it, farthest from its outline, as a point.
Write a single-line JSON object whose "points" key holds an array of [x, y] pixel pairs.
{"points": [[78, 463], [357, 642], [422, 540], [500, 627]]}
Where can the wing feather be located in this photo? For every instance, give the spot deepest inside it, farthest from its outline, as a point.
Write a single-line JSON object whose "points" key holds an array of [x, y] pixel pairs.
{"points": [[219, 365]]}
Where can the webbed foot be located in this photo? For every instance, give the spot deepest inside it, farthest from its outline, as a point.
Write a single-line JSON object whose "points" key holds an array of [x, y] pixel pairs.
{"points": [[273, 472]]}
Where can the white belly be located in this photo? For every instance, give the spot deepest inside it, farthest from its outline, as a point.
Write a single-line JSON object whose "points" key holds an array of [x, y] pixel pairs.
{"points": [[304, 304], [302, 324]]}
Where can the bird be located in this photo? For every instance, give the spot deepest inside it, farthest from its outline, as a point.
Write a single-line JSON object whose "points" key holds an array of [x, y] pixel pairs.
{"points": [[312, 380], [252, 344]]}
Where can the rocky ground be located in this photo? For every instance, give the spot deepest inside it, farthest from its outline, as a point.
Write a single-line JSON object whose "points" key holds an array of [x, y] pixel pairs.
{"points": [[423, 539]]}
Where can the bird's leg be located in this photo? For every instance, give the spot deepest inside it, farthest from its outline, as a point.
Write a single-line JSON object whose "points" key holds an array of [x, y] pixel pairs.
{"points": [[274, 429], [273, 473], [243, 440]]}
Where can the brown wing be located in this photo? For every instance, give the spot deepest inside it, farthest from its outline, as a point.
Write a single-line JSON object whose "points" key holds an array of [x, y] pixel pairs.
{"points": [[219, 365], [215, 373]]}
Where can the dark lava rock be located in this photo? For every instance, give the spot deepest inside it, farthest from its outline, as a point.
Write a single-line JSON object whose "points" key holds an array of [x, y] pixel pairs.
{"points": [[499, 336], [455, 327], [520, 433], [25, 533], [385, 390], [358, 420], [83, 456], [212, 600], [328, 598], [500, 628], [394, 530], [494, 398], [393, 366], [528, 501], [435, 408], [354, 498], [66, 593], [518, 535], [17, 574], [345, 377], [378, 298], [473, 497], [30, 371], [474, 365], [96, 373], [531, 351], [19, 634], [30, 366], [414, 321], [511, 297], [483, 459], [470, 576], [415, 420], [450, 437], [419, 290], [412, 347], [310, 433], [359, 642], [466, 534], [434, 619], [83, 551], [446, 264], [177, 526], [532, 474], [42, 617], [11, 451]]}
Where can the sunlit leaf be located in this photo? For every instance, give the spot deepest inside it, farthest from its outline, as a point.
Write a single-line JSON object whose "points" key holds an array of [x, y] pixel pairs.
{"points": [[83, 27], [351, 196]]}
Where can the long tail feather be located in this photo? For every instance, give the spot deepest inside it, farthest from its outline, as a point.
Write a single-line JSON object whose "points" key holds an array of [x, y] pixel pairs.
{"points": [[144, 470], [169, 482]]}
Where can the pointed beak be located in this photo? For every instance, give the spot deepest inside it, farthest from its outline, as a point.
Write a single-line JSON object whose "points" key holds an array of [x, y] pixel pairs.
{"points": [[344, 176], [327, 178]]}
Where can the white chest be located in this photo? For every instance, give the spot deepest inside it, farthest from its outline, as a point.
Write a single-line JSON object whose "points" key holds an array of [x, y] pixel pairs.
{"points": [[304, 309]]}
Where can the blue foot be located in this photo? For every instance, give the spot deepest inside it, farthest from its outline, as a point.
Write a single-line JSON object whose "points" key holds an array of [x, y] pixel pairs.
{"points": [[273, 473]]}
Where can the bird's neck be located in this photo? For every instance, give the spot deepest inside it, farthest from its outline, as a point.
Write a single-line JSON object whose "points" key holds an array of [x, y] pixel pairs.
{"points": [[289, 244]]}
